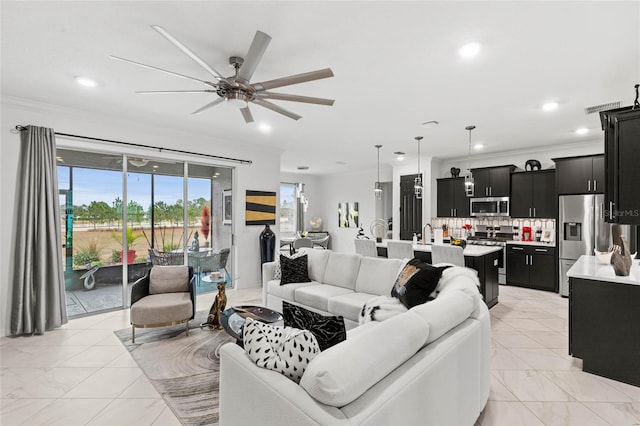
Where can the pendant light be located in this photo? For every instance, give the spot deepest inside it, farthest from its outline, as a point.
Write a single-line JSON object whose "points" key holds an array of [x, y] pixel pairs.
{"points": [[417, 182], [377, 190], [469, 185]]}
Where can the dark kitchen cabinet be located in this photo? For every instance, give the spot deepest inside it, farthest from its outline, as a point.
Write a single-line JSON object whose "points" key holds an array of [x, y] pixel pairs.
{"points": [[452, 199], [492, 181], [533, 194], [580, 175], [531, 266], [622, 172]]}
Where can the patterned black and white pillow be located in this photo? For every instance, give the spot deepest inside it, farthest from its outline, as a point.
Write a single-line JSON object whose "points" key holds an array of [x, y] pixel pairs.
{"points": [[286, 350], [329, 330], [277, 274], [380, 308], [294, 270]]}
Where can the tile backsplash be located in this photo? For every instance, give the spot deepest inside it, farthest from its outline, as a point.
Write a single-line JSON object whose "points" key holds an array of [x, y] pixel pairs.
{"points": [[454, 224]]}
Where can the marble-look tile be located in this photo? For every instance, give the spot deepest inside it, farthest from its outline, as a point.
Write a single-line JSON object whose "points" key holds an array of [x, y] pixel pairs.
{"points": [[616, 413], [69, 412], [565, 413], [105, 383], [498, 391], [94, 356], [525, 324], [550, 339], [87, 337], [558, 325], [632, 391], [42, 383], [16, 411], [50, 338], [543, 359], [511, 413], [531, 386], [498, 325], [586, 387], [141, 388], [576, 363], [15, 356], [166, 418], [122, 360], [136, 411], [504, 359], [515, 340]]}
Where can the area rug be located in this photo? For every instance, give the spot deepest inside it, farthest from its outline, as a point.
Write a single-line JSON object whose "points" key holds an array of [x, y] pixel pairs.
{"points": [[184, 370]]}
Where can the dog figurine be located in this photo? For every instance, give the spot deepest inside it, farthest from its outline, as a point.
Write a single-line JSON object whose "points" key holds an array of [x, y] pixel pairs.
{"points": [[218, 306], [532, 165]]}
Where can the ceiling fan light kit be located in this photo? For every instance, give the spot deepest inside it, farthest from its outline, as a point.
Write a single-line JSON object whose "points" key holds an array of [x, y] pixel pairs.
{"points": [[237, 89]]}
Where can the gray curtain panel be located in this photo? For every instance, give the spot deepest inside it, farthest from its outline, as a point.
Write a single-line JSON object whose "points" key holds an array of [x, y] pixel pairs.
{"points": [[38, 300]]}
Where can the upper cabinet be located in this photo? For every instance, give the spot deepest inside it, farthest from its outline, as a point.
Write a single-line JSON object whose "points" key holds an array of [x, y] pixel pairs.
{"points": [[492, 181], [533, 194], [622, 164], [580, 175], [452, 200]]}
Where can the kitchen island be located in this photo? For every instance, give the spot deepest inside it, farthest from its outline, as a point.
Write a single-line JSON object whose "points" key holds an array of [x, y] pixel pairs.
{"points": [[484, 259], [604, 319]]}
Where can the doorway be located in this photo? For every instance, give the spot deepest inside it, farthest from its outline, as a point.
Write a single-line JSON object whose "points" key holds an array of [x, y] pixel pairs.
{"points": [[410, 209]]}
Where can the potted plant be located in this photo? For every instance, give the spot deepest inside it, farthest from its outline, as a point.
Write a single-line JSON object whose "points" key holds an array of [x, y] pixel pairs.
{"points": [[131, 240]]}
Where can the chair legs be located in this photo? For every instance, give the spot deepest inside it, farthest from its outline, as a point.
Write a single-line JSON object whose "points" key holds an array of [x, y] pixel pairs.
{"points": [[187, 328], [133, 333]]}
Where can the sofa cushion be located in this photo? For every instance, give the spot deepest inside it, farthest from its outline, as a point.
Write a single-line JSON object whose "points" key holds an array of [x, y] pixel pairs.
{"points": [[168, 279], [416, 282], [445, 312], [317, 262], [317, 296], [345, 371], [342, 270], [162, 308], [348, 305], [283, 349], [293, 270], [286, 291], [377, 275], [328, 330]]}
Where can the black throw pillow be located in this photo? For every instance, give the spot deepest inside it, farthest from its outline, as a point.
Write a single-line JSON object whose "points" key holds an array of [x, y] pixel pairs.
{"points": [[293, 270], [416, 282], [327, 330]]}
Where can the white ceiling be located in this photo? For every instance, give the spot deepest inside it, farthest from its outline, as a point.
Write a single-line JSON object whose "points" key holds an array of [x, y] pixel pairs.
{"points": [[395, 64]]}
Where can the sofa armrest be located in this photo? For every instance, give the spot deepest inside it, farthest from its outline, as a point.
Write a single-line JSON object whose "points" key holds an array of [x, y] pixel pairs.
{"points": [[273, 399], [140, 288], [268, 274]]}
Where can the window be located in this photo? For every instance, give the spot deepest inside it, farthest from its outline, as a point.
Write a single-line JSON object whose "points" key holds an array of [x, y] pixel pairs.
{"points": [[288, 209]]}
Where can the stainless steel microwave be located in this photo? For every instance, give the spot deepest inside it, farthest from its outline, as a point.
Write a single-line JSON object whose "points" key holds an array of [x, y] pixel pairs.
{"points": [[491, 206]]}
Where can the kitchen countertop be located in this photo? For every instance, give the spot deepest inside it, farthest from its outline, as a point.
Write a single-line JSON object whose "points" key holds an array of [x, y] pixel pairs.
{"points": [[531, 243], [588, 267], [470, 250]]}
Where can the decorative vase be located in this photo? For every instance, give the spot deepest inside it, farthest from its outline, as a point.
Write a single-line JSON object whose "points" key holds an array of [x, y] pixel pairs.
{"points": [[131, 256], [267, 244], [621, 256]]}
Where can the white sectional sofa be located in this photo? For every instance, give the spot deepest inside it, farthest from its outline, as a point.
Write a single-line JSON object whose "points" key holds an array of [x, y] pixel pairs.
{"points": [[427, 366]]}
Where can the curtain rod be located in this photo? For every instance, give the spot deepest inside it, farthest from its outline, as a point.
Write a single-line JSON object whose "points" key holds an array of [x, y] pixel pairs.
{"points": [[21, 128]]}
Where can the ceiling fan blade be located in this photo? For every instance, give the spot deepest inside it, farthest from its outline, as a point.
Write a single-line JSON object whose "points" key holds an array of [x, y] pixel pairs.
{"points": [[209, 105], [293, 79], [151, 67], [188, 52], [276, 108], [246, 114], [295, 98], [254, 55], [166, 92]]}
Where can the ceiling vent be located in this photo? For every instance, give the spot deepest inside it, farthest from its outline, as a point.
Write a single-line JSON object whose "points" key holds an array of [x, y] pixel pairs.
{"points": [[603, 107]]}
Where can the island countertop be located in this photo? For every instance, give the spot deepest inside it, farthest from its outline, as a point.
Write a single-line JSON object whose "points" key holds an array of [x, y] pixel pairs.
{"points": [[470, 250], [588, 267]]}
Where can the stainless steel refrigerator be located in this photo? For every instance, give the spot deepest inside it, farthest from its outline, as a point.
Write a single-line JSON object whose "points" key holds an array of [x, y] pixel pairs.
{"points": [[581, 229]]}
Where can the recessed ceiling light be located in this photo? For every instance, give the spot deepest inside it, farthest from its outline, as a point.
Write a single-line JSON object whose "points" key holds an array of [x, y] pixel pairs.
{"points": [[86, 82], [216, 174], [469, 50], [550, 106], [155, 166], [478, 146], [264, 128], [399, 155], [303, 167], [59, 159], [582, 131]]}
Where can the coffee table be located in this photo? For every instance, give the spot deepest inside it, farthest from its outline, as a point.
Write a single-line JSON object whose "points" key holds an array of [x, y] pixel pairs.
{"points": [[233, 319]]}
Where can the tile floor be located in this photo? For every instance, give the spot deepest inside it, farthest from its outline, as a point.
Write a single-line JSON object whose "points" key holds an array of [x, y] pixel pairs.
{"points": [[81, 374]]}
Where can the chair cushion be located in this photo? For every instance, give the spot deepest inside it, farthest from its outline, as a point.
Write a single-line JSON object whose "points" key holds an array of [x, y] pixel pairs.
{"points": [[286, 291], [317, 296], [348, 305], [342, 270], [377, 275], [161, 308], [169, 279], [345, 371], [328, 330]]}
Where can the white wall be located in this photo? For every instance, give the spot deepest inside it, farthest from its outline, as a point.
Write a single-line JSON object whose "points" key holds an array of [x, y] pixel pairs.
{"points": [[312, 189], [263, 174]]}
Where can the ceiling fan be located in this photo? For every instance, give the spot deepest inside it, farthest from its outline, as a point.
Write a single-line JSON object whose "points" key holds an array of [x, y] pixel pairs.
{"points": [[237, 89]]}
